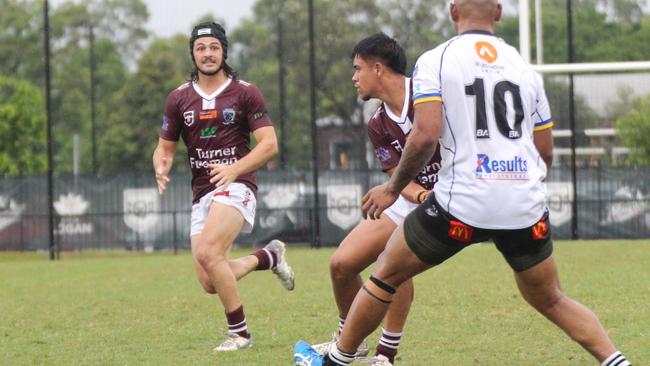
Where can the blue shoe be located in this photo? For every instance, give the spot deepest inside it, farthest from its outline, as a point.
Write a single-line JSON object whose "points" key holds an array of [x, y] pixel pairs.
{"points": [[306, 355]]}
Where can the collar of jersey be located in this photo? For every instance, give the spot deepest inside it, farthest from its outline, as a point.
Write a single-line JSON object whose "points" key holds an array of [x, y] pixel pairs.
{"points": [[477, 31], [405, 106], [205, 96]]}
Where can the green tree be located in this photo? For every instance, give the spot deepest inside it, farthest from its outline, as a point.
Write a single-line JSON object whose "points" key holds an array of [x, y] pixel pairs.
{"points": [[21, 40], [117, 27], [634, 131], [22, 128], [419, 25], [134, 122]]}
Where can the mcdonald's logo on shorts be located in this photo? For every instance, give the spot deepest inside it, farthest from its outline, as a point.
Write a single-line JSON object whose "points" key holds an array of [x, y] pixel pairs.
{"points": [[459, 231], [540, 229]]}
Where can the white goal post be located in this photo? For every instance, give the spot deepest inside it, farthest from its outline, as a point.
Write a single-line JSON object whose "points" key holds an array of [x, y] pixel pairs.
{"points": [[524, 49]]}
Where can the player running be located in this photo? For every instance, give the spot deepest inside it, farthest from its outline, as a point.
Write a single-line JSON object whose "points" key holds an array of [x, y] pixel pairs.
{"points": [[215, 113]]}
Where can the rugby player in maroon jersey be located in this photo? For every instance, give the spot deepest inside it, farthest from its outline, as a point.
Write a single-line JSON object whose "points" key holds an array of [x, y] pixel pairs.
{"points": [[379, 72], [215, 113]]}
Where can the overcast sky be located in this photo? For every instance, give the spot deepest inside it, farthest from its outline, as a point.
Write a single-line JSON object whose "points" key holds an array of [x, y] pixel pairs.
{"points": [[168, 17], [177, 16]]}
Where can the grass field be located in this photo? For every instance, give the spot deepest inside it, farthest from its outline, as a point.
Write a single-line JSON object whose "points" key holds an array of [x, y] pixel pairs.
{"points": [[147, 309]]}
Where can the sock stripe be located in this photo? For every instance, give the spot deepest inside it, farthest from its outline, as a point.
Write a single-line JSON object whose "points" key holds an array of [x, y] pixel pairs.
{"points": [[268, 254], [616, 359], [237, 330], [391, 346], [384, 332], [238, 324], [340, 357]]}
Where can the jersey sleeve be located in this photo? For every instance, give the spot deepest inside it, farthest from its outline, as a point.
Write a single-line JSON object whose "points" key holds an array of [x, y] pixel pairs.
{"points": [[542, 115], [256, 113], [172, 122], [426, 79], [384, 152]]}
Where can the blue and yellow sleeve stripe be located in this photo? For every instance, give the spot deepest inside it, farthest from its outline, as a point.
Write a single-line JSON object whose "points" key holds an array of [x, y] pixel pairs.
{"points": [[421, 98], [543, 125]]}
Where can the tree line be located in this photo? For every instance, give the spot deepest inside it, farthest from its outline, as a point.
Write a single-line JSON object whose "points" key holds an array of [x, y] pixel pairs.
{"points": [[135, 70]]}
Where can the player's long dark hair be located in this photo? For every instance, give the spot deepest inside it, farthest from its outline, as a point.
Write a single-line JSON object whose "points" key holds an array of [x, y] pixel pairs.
{"points": [[383, 48]]}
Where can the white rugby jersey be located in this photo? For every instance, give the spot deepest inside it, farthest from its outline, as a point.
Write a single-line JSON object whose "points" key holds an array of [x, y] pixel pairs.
{"points": [[492, 174]]}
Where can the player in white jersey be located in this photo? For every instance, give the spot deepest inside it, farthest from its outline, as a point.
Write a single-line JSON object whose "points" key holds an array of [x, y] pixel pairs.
{"points": [[485, 106]]}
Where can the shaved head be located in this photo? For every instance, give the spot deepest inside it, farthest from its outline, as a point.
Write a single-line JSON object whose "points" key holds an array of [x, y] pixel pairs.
{"points": [[477, 9], [476, 12]]}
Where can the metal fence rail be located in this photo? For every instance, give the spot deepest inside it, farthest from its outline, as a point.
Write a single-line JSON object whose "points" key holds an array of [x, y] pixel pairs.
{"points": [[125, 211]]}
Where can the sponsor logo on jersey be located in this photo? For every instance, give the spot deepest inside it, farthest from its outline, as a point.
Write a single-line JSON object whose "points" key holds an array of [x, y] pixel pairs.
{"points": [[486, 51], [208, 132], [258, 115], [211, 114], [428, 176], [494, 169], [204, 157], [229, 116], [382, 154], [188, 118], [459, 231], [165, 125], [397, 146]]}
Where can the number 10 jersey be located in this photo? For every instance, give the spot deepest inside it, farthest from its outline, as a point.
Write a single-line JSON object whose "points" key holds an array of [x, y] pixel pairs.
{"points": [[493, 101]]}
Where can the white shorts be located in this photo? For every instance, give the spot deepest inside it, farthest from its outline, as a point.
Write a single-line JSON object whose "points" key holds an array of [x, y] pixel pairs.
{"points": [[398, 210], [237, 195]]}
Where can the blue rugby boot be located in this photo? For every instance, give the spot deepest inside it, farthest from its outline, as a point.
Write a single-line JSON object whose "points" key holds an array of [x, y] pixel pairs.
{"points": [[306, 355]]}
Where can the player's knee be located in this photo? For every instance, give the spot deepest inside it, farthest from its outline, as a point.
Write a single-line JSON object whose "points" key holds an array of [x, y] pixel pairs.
{"points": [[340, 268], [207, 258], [546, 303], [406, 290], [392, 275], [207, 286]]}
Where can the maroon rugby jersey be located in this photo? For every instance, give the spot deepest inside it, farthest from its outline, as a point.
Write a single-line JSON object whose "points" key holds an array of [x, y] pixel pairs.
{"points": [[215, 128], [388, 134]]}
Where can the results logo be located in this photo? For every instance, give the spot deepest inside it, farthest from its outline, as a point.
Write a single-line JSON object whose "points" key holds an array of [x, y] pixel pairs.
{"points": [[495, 169]]}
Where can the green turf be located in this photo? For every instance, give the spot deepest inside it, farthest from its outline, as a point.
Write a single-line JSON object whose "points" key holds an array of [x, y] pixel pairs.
{"points": [[148, 309]]}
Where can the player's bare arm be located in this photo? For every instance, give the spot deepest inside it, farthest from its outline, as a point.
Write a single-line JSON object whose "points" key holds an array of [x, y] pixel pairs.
{"points": [[544, 143], [265, 149], [420, 147], [413, 192], [163, 159]]}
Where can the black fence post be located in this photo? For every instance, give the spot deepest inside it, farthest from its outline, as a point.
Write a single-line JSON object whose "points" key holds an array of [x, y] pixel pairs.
{"points": [[175, 240]]}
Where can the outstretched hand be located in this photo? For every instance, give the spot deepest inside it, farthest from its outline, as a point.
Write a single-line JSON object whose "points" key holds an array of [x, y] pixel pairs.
{"points": [[162, 174], [222, 175], [376, 201]]}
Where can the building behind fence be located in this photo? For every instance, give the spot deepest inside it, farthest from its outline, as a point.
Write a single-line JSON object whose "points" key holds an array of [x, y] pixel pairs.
{"points": [[126, 212]]}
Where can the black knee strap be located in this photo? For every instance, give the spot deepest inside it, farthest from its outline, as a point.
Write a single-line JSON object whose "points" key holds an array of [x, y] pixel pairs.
{"points": [[375, 296], [382, 285]]}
